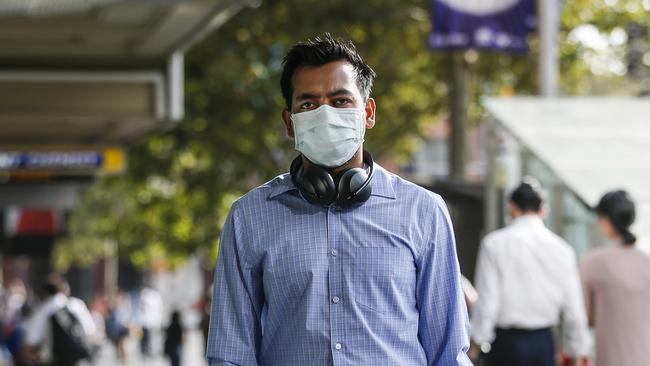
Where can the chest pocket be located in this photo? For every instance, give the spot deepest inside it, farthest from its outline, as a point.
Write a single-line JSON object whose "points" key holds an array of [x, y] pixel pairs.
{"points": [[382, 279], [292, 271]]}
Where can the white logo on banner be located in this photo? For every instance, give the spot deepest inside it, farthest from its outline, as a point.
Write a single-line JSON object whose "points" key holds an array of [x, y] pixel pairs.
{"points": [[480, 7]]}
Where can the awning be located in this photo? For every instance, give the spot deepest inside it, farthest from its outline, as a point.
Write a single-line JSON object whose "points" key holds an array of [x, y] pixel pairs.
{"points": [[592, 144], [87, 33], [97, 71]]}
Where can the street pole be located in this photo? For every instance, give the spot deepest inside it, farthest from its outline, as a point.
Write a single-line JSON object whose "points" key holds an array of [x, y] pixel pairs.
{"points": [[549, 24], [458, 114], [491, 205], [111, 269]]}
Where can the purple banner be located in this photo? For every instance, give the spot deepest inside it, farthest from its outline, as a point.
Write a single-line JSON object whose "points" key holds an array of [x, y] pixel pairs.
{"points": [[498, 25]]}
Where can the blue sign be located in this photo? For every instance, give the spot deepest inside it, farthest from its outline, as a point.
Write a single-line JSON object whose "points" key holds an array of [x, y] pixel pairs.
{"points": [[37, 160], [499, 25]]}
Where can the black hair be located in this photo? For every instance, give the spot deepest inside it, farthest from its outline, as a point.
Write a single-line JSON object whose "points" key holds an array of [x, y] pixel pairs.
{"points": [[318, 52], [55, 284], [528, 196], [175, 317], [618, 207]]}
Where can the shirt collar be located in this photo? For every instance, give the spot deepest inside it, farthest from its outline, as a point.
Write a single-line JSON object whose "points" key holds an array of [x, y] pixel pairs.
{"points": [[381, 184], [528, 219]]}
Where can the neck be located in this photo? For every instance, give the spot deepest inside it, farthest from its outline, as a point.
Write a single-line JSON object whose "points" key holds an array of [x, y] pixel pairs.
{"points": [[524, 214], [617, 238]]}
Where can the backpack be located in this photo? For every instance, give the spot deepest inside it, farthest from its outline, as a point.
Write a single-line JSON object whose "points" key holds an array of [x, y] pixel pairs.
{"points": [[69, 340]]}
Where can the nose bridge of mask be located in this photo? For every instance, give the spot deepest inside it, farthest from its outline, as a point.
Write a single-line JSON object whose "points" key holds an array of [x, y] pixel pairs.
{"points": [[326, 118]]}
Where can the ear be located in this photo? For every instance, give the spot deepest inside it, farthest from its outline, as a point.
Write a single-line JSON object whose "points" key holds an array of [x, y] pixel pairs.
{"points": [[286, 118], [543, 212], [370, 113], [513, 210]]}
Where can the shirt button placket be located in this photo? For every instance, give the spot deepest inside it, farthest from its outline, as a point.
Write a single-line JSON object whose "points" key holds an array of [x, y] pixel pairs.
{"points": [[335, 284]]}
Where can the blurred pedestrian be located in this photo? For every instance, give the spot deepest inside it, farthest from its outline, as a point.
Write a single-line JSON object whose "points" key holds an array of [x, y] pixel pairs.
{"points": [[6, 358], [526, 276], [5, 355], [174, 339], [99, 312], [58, 332], [337, 261], [117, 324], [204, 307], [469, 292], [148, 307], [15, 297], [616, 282], [15, 335]]}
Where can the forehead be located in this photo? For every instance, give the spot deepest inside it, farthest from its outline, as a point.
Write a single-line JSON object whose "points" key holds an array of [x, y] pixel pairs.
{"points": [[330, 76]]}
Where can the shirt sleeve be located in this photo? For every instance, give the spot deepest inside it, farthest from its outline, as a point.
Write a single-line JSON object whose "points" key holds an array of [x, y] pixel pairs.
{"points": [[443, 325], [486, 308], [36, 327], [235, 328], [576, 331], [80, 310]]}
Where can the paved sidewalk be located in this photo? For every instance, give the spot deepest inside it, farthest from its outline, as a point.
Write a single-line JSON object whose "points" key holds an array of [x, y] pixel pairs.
{"points": [[193, 352]]}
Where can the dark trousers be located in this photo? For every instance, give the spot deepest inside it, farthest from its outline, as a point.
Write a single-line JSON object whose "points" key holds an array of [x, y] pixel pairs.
{"points": [[145, 342], [175, 356], [521, 347]]}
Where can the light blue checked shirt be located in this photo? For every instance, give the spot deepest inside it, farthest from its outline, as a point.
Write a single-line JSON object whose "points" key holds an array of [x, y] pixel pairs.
{"points": [[301, 284]]}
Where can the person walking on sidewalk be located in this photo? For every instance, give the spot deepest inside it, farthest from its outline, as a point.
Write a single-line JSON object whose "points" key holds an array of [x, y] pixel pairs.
{"points": [[526, 276], [337, 262], [60, 330], [174, 339], [616, 283], [147, 306]]}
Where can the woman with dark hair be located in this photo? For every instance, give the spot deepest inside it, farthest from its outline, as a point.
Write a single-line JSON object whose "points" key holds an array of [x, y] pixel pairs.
{"points": [[616, 284]]}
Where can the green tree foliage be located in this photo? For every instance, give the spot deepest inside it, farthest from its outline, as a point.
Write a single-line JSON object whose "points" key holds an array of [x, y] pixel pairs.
{"points": [[180, 183]]}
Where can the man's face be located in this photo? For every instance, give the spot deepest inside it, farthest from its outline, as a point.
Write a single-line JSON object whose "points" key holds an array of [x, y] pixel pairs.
{"points": [[333, 84]]}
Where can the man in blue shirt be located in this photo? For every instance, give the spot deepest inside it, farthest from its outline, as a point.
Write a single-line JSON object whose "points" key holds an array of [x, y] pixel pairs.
{"points": [[337, 262]]}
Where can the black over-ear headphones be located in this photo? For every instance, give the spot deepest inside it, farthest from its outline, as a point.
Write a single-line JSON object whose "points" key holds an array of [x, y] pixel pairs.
{"points": [[349, 188]]}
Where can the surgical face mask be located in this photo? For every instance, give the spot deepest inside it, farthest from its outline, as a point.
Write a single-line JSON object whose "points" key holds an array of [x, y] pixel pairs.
{"points": [[329, 136]]}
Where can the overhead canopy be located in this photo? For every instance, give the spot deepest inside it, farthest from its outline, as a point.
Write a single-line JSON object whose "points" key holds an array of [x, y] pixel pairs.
{"points": [[592, 144], [96, 71], [104, 32]]}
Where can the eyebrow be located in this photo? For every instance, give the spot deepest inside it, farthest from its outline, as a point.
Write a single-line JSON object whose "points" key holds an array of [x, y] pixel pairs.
{"points": [[335, 93]]}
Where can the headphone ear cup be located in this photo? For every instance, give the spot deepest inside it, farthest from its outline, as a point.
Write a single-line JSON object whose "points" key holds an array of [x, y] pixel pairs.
{"points": [[317, 185], [351, 187]]}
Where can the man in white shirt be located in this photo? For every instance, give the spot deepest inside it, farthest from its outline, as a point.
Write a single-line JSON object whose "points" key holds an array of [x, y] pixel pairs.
{"points": [[148, 309], [38, 330], [526, 276]]}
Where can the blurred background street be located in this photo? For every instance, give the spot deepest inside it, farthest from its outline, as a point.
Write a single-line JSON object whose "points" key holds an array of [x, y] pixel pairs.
{"points": [[192, 355], [128, 129]]}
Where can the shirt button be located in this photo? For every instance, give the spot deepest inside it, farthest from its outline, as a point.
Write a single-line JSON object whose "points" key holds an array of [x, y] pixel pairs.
{"points": [[338, 346], [334, 252], [336, 299]]}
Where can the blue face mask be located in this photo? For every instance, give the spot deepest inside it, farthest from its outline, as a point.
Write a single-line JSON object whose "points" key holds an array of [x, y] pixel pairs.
{"points": [[329, 136]]}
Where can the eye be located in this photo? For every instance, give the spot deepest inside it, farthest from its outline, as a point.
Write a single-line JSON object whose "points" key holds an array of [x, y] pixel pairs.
{"points": [[307, 105], [341, 102]]}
